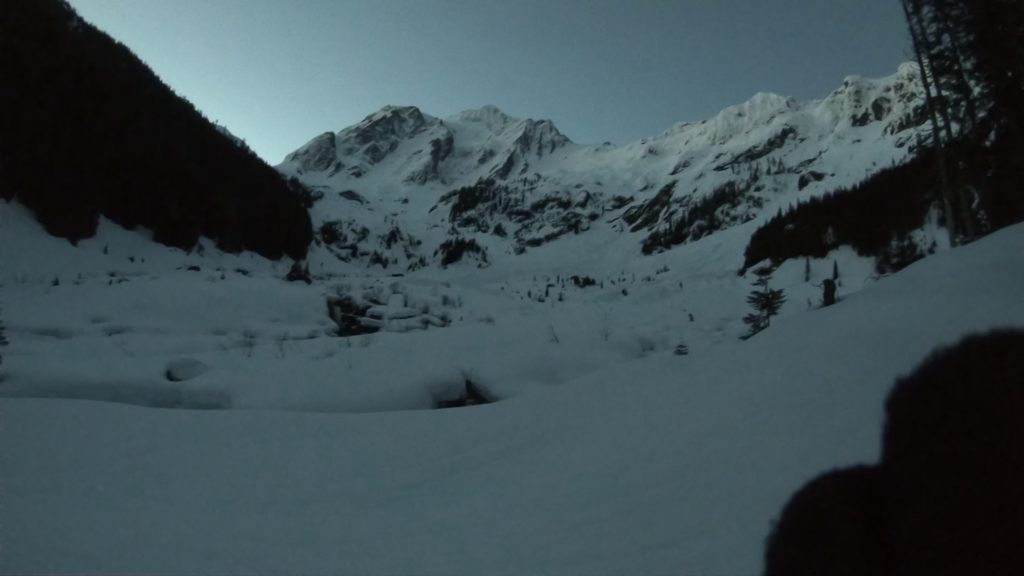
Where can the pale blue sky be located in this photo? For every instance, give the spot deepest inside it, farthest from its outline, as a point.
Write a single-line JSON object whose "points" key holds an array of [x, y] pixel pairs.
{"points": [[279, 72]]}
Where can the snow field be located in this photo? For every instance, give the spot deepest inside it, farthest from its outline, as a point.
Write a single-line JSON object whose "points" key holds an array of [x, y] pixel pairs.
{"points": [[605, 454]]}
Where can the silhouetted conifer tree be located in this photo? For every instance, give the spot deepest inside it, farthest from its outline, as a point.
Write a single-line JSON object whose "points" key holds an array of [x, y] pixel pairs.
{"points": [[765, 300], [971, 55]]}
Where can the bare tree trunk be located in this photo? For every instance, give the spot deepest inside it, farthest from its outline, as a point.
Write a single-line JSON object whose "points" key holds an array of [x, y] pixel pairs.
{"points": [[957, 190], [944, 16], [940, 153]]}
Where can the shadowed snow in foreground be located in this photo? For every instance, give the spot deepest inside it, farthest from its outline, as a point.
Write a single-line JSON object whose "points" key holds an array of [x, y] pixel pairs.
{"points": [[600, 458], [127, 393]]}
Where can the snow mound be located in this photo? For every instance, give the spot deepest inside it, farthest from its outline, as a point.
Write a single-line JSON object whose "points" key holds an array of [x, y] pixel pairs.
{"points": [[184, 369]]}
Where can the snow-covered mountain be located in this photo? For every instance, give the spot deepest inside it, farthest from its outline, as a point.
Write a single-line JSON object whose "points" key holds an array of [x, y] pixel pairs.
{"points": [[632, 430], [401, 187]]}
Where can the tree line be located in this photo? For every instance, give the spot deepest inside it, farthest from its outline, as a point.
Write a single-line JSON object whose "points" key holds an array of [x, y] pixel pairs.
{"points": [[869, 217], [971, 57]]}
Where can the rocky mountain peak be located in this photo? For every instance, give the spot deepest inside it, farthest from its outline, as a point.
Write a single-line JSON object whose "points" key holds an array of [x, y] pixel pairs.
{"points": [[488, 115], [861, 101], [539, 137], [759, 110], [516, 184], [390, 122], [316, 155]]}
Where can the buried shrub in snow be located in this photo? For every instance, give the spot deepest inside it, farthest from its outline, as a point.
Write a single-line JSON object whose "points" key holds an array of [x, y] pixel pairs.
{"points": [[184, 369], [349, 315], [392, 308], [681, 349], [582, 281], [299, 272], [472, 394]]}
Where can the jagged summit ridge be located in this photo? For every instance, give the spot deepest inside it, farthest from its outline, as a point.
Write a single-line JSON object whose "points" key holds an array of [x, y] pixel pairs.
{"points": [[488, 115], [389, 122], [758, 110], [516, 184], [316, 155], [413, 147]]}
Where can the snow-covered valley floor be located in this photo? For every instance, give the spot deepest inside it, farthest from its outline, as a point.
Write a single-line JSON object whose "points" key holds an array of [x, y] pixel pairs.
{"points": [[286, 450]]}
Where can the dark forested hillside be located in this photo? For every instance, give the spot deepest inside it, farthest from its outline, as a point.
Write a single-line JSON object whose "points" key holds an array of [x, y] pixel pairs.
{"points": [[873, 217], [972, 56], [87, 129]]}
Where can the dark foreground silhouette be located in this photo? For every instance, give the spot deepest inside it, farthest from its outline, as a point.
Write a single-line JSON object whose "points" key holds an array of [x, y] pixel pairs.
{"points": [[947, 497]]}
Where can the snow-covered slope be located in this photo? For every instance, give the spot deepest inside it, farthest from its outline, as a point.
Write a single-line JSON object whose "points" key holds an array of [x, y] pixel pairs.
{"points": [[173, 412], [605, 454], [396, 186]]}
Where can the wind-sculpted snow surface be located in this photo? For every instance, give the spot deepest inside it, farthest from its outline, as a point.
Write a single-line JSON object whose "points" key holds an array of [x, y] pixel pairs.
{"points": [[745, 163], [604, 452]]}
